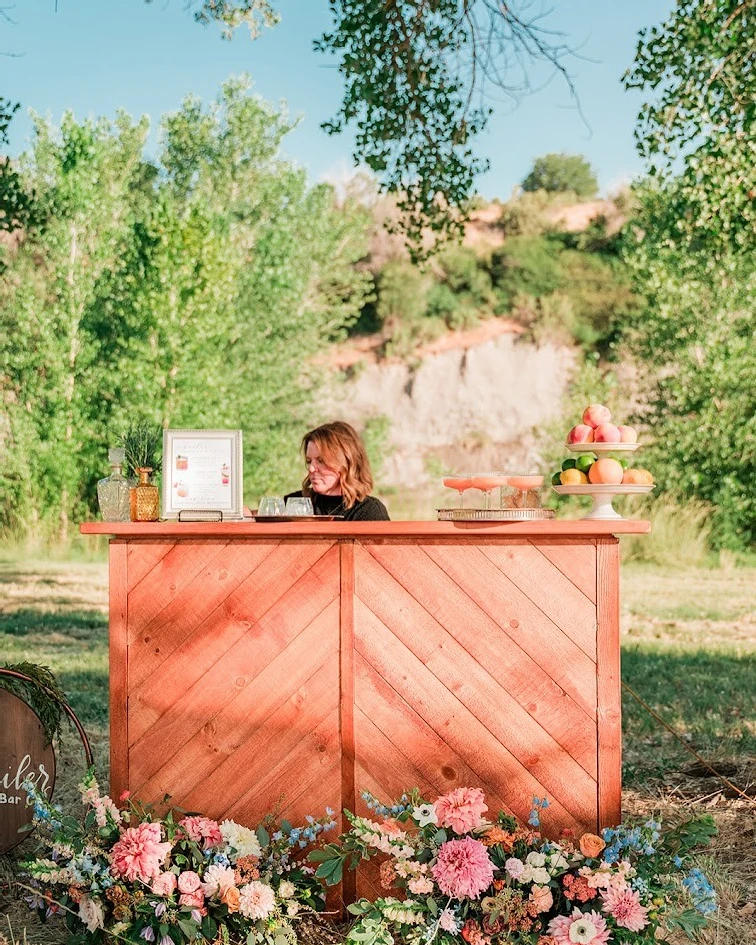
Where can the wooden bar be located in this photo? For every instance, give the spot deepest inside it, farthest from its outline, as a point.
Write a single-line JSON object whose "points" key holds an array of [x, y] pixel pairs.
{"points": [[290, 666]]}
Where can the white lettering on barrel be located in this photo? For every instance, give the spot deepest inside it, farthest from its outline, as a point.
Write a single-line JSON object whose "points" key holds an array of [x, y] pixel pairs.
{"points": [[41, 778]]}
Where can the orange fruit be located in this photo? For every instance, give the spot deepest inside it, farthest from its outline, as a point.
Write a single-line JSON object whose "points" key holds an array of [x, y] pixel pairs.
{"points": [[573, 477], [606, 472]]}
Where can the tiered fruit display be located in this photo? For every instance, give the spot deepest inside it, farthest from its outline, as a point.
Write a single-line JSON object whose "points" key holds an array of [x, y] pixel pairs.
{"points": [[596, 468]]}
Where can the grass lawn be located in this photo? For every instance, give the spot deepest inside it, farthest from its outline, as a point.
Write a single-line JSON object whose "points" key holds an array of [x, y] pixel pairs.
{"points": [[688, 650]]}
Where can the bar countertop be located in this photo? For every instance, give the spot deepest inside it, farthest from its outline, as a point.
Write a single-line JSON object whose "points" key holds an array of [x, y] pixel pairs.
{"points": [[564, 528]]}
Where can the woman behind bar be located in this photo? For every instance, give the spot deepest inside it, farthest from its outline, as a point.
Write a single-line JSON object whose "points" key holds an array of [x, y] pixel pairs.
{"points": [[338, 477]]}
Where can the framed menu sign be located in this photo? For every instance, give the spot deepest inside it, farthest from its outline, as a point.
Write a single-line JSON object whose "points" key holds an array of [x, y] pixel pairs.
{"points": [[202, 473]]}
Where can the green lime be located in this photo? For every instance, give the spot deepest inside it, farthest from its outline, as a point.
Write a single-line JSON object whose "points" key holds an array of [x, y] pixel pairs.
{"points": [[569, 464], [585, 462], [556, 480], [624, 463]]}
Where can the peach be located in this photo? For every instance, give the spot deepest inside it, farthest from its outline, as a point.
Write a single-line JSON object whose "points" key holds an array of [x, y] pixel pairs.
{"points": [[628, 434], [582, 433], [573, 477], [606, 472], [606, 433], [637, 477], [594, 414]]}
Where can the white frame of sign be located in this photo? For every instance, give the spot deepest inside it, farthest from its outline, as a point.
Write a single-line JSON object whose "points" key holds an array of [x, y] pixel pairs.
{"points": [[203, 474]]}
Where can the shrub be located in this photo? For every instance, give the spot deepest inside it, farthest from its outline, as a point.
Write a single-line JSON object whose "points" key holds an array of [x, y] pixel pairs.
{"points": [[680, 534]]}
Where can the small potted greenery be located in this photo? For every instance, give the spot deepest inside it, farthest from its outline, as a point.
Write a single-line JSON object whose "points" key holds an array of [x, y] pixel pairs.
{"points": [[142, 442]]}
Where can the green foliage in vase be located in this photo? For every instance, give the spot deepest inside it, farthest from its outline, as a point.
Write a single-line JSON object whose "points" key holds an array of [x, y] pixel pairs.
{"points": [[143, 446], [560, 173], [691, 252], [188, 293]]}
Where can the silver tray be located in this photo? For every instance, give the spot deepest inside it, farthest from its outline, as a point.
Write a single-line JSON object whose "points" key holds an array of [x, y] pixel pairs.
{"points": [[494, 515]]}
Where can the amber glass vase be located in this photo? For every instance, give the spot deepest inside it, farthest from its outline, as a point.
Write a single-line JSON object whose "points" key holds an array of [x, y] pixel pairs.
{"points": [[145, 498]]}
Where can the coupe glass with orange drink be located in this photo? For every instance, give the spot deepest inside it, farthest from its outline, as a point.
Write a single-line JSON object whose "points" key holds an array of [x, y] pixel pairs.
{"points": [[461, 484]]}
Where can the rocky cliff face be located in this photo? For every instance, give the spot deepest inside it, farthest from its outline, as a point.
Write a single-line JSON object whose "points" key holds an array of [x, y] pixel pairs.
{"points": [[469, 404]]}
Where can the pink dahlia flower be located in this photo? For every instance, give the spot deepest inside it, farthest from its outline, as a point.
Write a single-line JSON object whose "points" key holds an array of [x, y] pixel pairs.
{"points": [[463, 868], [461, 809], [625, 907], [580, 928], [202, 830], [139, 854]]}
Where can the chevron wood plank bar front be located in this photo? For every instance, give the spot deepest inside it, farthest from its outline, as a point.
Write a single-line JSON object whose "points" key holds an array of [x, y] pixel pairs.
{"points": [[257, 667]]}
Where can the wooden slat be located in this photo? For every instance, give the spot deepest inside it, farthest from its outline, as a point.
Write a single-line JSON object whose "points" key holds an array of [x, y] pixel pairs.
{"points": [[224, 569], [449, 717], [576, 559], [442, 767], [143, 556], [556, 648], [299, 771], [529, 744], [346, 699], [388, 765], [243, 673], [609, 742], [281, 603], [118, 659], [459, 531], [406, 590], [549, 590], [167, 579], [249, 756], [210, 756]]}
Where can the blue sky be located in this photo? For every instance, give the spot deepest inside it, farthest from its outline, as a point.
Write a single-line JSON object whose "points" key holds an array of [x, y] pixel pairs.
{"points": [[94, 56]]}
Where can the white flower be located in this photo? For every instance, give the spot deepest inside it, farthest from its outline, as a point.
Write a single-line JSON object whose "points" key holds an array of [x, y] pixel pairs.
{"points": [[540, 875], [425, 814], [292, 909], [217, 880], [535, 859], [558, 861], [257, 900], [448, 922], [526, 876], [243, 840], [582, 931], [91, 913], [286, 889], [420, 886], [515, 867]]}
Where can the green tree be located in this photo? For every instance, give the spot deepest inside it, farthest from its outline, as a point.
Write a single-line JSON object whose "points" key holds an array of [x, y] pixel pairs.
{"points": [[560, 173], [191, 293], [81, 178], [415, 100], [691, 251]]}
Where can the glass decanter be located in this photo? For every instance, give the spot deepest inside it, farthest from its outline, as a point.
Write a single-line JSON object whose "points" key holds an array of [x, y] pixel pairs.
{"points": [[113, 491]]}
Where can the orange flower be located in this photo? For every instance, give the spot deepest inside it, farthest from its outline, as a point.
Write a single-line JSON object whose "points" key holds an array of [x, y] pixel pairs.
{"points": [[231, 898], [591, 845], [495, 835], [391, 827]]}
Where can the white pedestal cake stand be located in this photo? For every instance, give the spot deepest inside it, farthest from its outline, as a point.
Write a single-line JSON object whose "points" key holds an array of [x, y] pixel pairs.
{"points": [[602, 496]]}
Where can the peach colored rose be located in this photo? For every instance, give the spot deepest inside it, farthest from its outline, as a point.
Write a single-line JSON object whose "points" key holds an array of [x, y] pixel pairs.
{"points": [[165, 884], [230, 898], [542, 898], [591, 845], [195, 900], [189, 882]]}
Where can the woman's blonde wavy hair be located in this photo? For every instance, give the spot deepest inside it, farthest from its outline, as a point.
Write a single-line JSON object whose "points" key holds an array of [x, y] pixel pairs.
{"points": [[343, 451]]}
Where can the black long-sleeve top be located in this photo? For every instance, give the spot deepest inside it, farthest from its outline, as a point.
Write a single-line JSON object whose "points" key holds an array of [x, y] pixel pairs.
{"points": [[369, 509]]}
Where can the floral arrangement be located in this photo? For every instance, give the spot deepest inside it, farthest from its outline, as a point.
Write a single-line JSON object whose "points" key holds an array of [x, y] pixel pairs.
{"points": [[451, 875], [125, 873]]}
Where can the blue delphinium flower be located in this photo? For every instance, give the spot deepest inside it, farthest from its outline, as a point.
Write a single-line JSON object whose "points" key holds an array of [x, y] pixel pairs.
{"points": [[701, 891]]}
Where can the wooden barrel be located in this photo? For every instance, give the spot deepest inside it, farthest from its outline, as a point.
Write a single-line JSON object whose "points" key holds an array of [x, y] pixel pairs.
{"points": [[24, 754]]}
